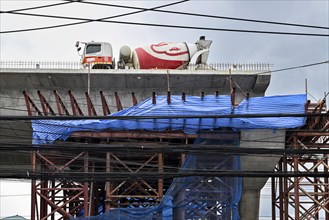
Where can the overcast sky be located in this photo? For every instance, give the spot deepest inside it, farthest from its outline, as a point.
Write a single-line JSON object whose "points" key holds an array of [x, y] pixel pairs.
{"points": [[279, 50]]}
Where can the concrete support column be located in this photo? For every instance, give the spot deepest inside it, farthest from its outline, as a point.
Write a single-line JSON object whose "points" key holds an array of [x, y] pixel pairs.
{"points": [[249, 204], [251, 186]]}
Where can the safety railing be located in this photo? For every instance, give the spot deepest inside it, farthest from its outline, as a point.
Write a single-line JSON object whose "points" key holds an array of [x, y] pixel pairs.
{"points": [[241, 66], [7, 64]]}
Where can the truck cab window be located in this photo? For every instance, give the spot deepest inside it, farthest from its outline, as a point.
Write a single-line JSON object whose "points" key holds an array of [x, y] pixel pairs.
{"points": [[93, 48]]}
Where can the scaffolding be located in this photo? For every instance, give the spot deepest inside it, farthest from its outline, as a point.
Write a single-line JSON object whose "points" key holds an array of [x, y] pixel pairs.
{"points": [[71, 197], [304, 197], [294, 197]]}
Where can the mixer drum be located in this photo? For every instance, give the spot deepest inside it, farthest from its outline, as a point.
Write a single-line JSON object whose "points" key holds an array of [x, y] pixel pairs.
{"points": [[162, 56]]}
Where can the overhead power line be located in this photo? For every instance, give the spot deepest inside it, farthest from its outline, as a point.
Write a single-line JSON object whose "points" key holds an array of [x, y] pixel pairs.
{"points": [[295, 67], [84, 20], [161, 148], [38, 7], [93, 176], [204, 15]]}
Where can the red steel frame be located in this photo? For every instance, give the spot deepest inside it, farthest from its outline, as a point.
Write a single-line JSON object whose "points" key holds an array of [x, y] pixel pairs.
{"points": [[296, 197], [61, 198], [304, 197]]}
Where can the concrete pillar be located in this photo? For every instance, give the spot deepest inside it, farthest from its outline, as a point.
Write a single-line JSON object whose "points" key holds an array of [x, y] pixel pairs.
{"points": [[249, 204], [257, 138]]}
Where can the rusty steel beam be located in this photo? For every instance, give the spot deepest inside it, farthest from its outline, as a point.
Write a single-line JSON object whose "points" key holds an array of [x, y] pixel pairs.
{"points": [[168, 98], [48, 195], [298, 193], [85, 185], [90, 106], [108, 187], [74, 104], [311, 134], [118, 102], [134, 99], [131, 187], [58, 209], [285, 190], [273, 198], [136, 196], [160, 179], [68, 163], [202, 95], [281, 197], [61, 108], [154, 100], [133, 134], [232, 94], [319, 106], [183, 97], [45, 105], [105, 107], [62, 188], [318, 109], [296, 180], [326, 186], [33, 187], [307, 105], [29, 103]]}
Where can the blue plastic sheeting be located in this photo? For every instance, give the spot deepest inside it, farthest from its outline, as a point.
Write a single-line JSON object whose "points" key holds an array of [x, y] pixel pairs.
{"points": [[194, 197], [208, 197], [162, 211], [208, 105]]}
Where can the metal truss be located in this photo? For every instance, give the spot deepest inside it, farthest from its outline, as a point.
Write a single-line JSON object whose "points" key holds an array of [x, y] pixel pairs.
{"points": [[295, 198], [301, 198], [63, 198], [207, 197], [134, 192]]}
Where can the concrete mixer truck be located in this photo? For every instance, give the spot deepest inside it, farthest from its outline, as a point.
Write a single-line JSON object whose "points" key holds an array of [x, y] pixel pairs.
{"points": [[164, 55]]}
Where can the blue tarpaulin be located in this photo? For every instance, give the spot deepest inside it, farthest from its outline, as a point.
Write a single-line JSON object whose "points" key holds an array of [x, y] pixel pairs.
{"points": [[195, 197], [207, 105]]}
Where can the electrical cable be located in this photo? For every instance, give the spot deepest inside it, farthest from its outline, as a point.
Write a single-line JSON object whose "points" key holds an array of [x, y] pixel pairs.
{"points": [[295, 67], [37, 7], [84, 20], [133, 163], [263, 140], [199, 149], [150, 175], [116, 176], [204, 15], [92, 129]]}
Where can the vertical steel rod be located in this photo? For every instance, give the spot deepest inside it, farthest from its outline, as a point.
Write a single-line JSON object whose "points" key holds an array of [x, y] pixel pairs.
{"points": [[296, 180], [107, 183], [85, 185], [273, 194]]}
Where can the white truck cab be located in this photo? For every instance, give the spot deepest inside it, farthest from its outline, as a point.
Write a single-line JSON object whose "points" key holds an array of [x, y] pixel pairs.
{"points": [[98, 55]]}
